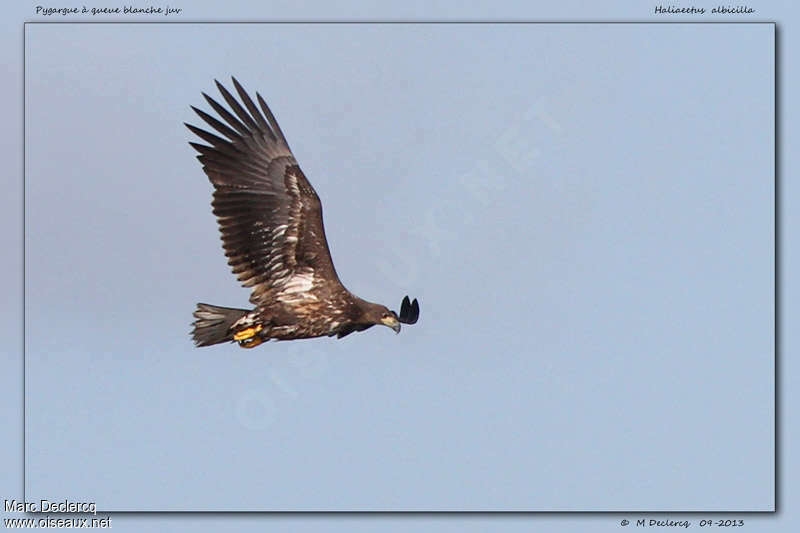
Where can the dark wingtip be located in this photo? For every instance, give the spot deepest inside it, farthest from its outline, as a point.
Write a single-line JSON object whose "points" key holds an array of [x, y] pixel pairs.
{"points": [[409, 311], [221, 88], [210, 100], [194, 129], [202, 148]]}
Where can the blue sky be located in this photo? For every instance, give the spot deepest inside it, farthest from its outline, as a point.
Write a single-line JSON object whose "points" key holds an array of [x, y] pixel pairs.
{"points": [[586, 221], [540, 144]]}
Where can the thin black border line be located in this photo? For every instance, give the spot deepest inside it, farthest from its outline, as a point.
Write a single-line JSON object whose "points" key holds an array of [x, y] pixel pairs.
{"points": [[777, 124], [24, 266], [776, 295], [400, 21]]}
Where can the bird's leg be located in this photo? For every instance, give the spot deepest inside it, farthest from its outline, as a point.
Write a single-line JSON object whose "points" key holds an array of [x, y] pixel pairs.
{"points": [[247, 333]]}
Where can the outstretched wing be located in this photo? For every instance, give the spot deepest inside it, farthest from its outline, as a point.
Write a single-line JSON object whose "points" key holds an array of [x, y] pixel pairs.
{"points": [[269, 215]]}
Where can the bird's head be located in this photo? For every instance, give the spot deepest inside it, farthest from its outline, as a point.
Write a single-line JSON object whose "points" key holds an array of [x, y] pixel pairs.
{"points": [[380, 314], [376, 314], [388, 318]]}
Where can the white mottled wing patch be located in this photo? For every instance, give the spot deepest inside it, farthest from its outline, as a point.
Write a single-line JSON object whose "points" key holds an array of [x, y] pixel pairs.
{"points": [[298, 287]]}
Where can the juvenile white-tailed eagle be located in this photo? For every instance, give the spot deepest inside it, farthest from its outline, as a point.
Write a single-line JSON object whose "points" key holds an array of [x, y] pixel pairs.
{"points": [[270, 218]]}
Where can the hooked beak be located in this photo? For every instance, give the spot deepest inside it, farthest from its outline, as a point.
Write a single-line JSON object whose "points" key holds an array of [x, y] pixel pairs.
{"points": [[391, 322]]}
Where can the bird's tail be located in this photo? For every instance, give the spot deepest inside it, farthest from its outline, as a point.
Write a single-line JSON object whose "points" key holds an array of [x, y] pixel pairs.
{"points": [[213, 324]]}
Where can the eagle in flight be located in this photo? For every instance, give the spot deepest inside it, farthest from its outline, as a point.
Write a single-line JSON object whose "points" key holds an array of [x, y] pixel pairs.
{"points": [[270, 218]]}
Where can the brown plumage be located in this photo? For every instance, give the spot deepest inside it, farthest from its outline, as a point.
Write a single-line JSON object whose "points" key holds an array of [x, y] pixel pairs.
{"points": [[270, 218]]}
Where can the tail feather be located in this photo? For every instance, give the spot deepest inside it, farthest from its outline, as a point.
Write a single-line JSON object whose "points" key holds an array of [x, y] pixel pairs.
{"points": [[213, 324]]}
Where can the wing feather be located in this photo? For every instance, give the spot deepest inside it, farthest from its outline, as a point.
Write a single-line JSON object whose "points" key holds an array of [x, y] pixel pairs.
{"points": [[269, 215], [272, 121], [251, 107]]}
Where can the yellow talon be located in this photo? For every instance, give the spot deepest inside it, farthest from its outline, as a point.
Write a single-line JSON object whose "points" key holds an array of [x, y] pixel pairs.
{"points": [[252, 343], [247, 333]]}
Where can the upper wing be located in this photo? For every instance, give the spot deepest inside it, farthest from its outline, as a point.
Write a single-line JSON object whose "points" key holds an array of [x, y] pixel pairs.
{"points": [[269, 215]]}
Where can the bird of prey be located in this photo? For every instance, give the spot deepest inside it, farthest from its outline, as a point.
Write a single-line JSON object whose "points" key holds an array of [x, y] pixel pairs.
{"points": [[270, 219]]}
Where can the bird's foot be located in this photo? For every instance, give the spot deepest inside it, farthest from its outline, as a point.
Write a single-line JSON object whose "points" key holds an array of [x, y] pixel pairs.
{"points": [[247, 333], [250, 343]]}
